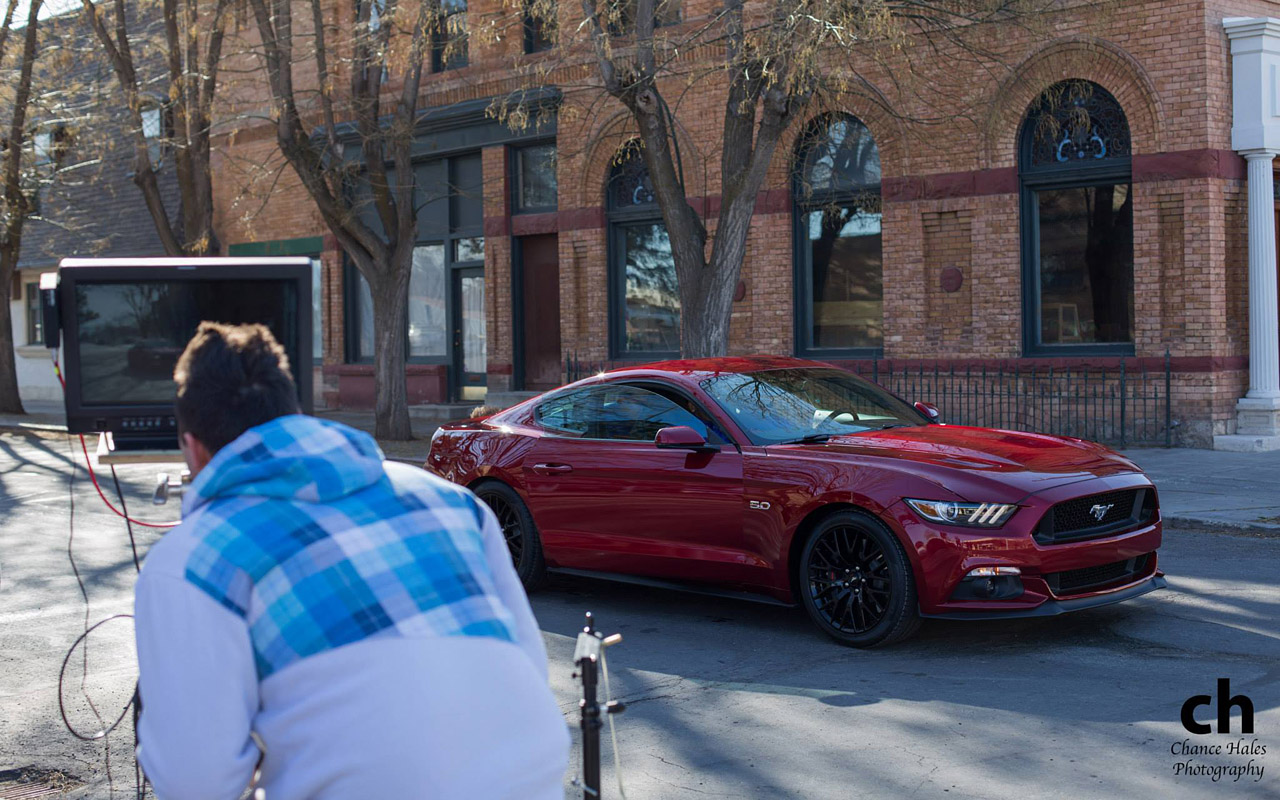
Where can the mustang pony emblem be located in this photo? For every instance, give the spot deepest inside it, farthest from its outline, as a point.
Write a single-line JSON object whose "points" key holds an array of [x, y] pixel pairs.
{"points": [[1099, 511]]}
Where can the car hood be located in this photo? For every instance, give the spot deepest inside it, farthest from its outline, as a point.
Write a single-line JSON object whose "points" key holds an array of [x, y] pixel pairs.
{"points": [[1023, 462]]}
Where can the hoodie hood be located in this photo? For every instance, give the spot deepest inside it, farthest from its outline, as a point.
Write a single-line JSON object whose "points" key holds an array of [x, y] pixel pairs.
{"points": [[296, 458]]}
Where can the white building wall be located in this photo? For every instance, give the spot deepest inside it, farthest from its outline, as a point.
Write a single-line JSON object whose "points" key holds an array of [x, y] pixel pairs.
{"points": [[36, 380]]}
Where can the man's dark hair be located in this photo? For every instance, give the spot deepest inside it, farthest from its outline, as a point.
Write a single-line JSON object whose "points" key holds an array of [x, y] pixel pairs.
{"points": [[231, 378]]}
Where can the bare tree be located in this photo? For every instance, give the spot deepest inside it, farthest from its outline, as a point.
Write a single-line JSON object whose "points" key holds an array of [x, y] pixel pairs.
{"points": [[16, 194], [192, 33], [776, 62], [382, 51]]}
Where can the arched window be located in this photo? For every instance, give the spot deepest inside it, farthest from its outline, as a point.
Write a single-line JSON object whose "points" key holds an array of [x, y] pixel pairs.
{"points": [[839, 287], [1074, 167], [644, 295]]}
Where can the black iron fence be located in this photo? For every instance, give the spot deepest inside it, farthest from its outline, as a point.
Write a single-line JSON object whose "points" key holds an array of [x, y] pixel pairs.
{"points": [[1120, 405]]}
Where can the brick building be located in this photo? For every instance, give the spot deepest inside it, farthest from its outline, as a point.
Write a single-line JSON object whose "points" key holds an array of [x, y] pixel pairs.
{"points": [[982, 242]]}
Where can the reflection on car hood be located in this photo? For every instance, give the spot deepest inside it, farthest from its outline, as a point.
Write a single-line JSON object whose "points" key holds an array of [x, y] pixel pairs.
{"points": [[1028, 461]]}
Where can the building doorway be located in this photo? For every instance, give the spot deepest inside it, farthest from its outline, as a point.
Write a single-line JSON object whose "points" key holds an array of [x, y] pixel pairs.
{"points": [[537, 294]]}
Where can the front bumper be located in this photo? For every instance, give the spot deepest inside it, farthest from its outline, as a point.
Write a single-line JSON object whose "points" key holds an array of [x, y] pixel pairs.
{"points": [[1052, 608], [943, 555]]}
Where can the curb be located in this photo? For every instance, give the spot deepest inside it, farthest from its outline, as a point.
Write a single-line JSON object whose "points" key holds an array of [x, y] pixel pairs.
{"points": [[1253, 530]]}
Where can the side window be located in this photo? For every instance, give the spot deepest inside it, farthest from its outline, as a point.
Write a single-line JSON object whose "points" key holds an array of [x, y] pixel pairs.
{"points": [[703, 423], [616, 412], [565, 414]]}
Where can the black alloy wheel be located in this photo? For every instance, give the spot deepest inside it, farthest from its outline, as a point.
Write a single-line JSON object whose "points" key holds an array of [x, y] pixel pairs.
{"points": [[509, 521], [518, 529], [856, 583]]}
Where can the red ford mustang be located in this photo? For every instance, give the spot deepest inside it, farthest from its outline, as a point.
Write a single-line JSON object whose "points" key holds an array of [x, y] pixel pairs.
{"points": [[794, 481]]}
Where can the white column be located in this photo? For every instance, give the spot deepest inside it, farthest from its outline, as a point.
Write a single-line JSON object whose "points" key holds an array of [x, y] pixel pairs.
{"points": [[1255, 134], [1264, 330]]}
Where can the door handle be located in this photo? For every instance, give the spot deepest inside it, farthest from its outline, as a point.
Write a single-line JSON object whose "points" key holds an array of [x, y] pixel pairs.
{"points": [[552, 469]]}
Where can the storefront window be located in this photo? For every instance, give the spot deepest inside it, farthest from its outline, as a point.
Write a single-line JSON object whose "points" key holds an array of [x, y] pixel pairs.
{"points": [[1077, 202], [442, 322], [646, 295], [838, 227], [428, 288]]}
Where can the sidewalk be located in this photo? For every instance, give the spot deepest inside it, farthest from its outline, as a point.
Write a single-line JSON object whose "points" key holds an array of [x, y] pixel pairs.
{"points": [[1199, 489], [49, 418], [1215, 490]]}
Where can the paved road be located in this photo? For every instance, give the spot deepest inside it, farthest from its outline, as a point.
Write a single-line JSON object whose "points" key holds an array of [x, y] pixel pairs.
{"points": [[736, 700]]}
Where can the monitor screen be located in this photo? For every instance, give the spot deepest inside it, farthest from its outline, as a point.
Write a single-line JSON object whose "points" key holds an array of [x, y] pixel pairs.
{"points": [[130, 333]]}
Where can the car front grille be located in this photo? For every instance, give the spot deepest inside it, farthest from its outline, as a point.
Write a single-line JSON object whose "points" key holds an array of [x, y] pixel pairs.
{"points": [[1078, 518], [1077, 581]]}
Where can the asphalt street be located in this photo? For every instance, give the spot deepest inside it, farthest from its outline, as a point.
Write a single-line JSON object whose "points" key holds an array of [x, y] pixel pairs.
{"points": [[725, 698]]}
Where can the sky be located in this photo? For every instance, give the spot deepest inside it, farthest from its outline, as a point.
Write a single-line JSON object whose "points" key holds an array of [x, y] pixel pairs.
{"points": [[49, 8]]}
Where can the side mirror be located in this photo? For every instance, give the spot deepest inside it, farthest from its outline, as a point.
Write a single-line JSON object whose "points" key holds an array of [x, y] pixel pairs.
{"points": [[682, 437], [930, 411]]}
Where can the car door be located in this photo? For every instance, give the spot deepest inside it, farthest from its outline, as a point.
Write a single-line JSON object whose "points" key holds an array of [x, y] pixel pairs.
{"points": [[606, 498]]}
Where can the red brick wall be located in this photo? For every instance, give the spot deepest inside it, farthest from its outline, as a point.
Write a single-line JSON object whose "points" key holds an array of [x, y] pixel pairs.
{"points": [[950, 194]]}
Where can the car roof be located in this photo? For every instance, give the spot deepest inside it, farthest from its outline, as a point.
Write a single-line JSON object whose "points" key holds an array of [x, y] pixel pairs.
{"points": [[698, 368]]}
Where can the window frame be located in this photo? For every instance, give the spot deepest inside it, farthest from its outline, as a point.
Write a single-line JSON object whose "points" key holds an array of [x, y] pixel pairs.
{"points": [[532, 27], [802, 250], [157, 145], [1031, 181], [517, 175], [42, 148], [617, 220], [630, 22], [440, 41], [618, 223], [35, 317]]}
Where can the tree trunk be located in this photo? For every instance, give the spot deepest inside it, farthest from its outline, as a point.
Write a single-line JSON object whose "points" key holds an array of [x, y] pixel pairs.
{"points": [[390, 294], [705, 309], [10, 401]]}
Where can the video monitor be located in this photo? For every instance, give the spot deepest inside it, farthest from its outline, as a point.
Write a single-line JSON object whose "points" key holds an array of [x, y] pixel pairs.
{"points": [[126, 322]]}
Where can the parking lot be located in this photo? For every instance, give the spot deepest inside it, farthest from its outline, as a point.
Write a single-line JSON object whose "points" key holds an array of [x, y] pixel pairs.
{"points": [[730, 699]]}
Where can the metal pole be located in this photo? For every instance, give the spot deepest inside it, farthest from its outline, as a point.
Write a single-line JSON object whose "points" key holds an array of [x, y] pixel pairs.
{"points": [[590, 722], [1123, 386], [1168, 399]]}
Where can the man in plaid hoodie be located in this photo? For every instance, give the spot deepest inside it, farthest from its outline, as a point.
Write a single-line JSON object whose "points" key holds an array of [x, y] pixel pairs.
{"points": [[355, 623]]}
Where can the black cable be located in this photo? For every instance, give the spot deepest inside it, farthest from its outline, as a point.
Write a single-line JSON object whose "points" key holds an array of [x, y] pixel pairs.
{"points": [[84, 637], [139, 780], [128, 523]]}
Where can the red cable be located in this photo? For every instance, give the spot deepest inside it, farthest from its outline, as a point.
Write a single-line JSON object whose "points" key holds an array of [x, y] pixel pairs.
{"points": [[117, 511], [57, 370]]}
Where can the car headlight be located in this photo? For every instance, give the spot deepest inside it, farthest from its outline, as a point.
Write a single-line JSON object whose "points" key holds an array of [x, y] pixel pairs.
{"points": [[976, 515]]}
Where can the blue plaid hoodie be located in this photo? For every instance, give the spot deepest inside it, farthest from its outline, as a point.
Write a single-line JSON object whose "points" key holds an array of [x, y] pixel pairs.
{"points": [[303, 560]]}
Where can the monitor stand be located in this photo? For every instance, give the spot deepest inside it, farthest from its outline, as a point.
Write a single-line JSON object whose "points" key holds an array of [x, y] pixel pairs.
{"points": [[138, 449]]}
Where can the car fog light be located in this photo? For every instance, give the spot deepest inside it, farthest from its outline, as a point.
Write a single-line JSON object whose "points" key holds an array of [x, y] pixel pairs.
{"points": [[991, 572]]}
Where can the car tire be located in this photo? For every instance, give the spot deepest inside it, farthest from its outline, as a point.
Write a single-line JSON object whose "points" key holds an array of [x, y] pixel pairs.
{"points": [[517, 526], [855, 581]]}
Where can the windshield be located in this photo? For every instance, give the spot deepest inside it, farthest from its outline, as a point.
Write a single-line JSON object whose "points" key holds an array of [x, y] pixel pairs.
{"points": [[788, 405]]}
